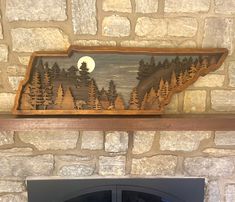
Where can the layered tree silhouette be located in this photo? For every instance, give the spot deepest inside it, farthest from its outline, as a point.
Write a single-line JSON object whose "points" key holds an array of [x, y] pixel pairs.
{"points": [[47, 91], [134, 100], [83, 82], [59, 97], [151, 100], [36, 94], [68, 100], [84, 78], [112, 93], [92, 94], [119, 103], [104, 99], [55, 71], [173, 82]]}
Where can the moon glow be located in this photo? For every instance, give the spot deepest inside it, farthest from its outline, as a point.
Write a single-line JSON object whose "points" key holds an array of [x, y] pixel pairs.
{"points": [[89, 62]]}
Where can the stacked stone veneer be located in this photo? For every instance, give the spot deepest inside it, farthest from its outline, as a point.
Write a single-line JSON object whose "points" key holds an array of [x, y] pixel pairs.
{"points": [[134, 154], [32, 25]]}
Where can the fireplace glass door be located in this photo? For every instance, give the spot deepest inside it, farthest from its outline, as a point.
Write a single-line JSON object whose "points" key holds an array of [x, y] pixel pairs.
{"points": [[116, 190], [122, 194]]}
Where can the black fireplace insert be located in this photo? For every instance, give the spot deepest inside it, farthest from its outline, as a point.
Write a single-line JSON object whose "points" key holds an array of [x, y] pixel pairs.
{"points": [[117, 190]]}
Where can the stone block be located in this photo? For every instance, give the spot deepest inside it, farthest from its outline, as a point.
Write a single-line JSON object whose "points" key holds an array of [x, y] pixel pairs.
{"points": [[6, 101], [6, 137], [187, 6], [209, 166], [116, 26], [230, 193], [182, 140], [117, 5], [22, 197], [182, 27], [156, 165], [11, 186], [219, 33], [35, 39], [151, 28], [112, 165], [50, 139], [143, 6], [36, 10], [143, 141], [210, 80], [76, 166], [84, 17], [23, 166], [116, 141], [212, 192], [195, 101], [225, 138], [223, 100], [225, 6], [14, 81], [3, 53], [93, 140]]}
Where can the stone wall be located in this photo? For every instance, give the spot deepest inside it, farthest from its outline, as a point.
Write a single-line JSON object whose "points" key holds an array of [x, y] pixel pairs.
{"points": [[31, 25]]}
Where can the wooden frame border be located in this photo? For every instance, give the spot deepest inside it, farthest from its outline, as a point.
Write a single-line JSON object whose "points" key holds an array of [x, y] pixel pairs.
{"points": [[97, 49]]}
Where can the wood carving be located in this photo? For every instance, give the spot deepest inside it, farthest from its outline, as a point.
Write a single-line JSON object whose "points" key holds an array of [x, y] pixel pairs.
{"points": [[116, 81]]}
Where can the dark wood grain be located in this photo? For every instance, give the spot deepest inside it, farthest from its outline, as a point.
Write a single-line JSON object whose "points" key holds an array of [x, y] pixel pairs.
{"points": [[210, 122]]}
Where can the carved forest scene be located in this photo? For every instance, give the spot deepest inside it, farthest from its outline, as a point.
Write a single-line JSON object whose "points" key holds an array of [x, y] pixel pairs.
{"points": [[109, 83]]}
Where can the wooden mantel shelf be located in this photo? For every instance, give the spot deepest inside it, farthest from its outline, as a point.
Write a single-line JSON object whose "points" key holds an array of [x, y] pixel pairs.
{"points": [[212, 122]]}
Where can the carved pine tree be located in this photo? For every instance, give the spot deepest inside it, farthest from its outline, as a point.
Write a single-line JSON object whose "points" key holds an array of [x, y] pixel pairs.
{"points": [[161, 93], [173, 82], [59, 97], [36, 91], [134, 100], [205, 62], [40, 66], [25, 100], [68, 101], [72, 72], [55, 71], [112, 93], [119, 103], [84, 77], [192, 71], [92, 94], [151, 100], [180, 80], [165, 90], [144, 101], [83, 82], [104, 99], [185, 76], [97, 104], [48, 91]]}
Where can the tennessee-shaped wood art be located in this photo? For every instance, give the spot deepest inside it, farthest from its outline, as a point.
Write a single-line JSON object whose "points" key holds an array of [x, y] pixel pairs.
{"points": [[115, 81]]}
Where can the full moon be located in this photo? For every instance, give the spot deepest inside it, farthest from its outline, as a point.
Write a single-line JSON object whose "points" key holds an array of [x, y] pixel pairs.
{"points": [[89, 62]]}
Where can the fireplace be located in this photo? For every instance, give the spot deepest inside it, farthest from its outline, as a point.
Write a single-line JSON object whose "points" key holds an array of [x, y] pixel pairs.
{"points": [[117, 190]]}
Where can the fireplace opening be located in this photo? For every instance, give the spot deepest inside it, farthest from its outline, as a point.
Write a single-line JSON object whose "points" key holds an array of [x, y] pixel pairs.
{"points": [[117, 190]]}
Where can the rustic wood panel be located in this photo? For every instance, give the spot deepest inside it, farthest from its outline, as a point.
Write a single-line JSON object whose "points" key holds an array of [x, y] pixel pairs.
{"points": [[141, 81], [130, 123]]}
